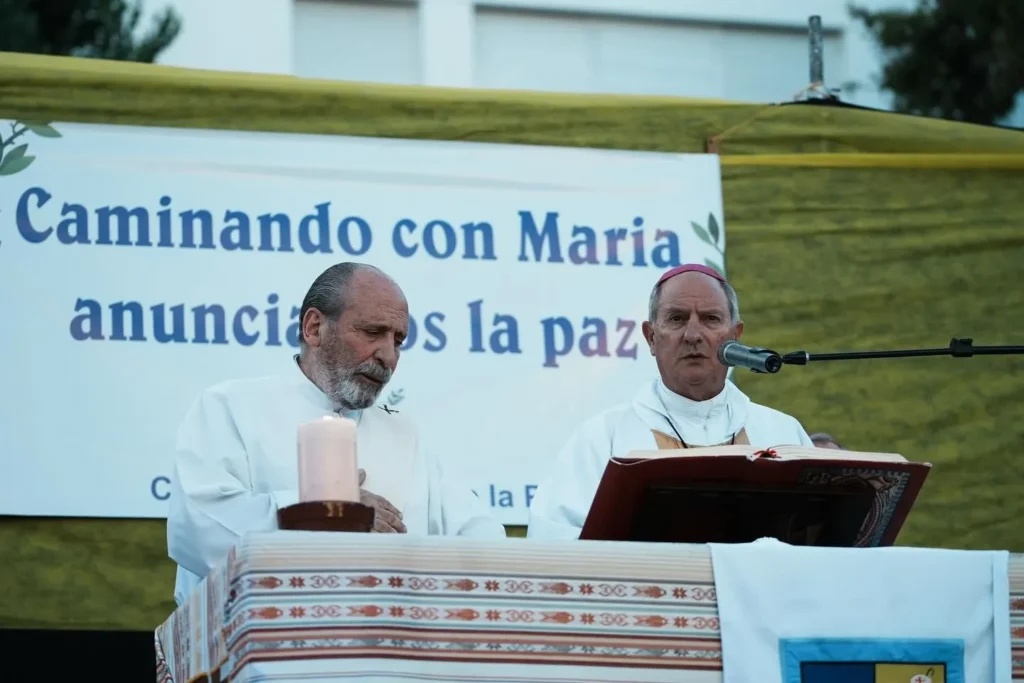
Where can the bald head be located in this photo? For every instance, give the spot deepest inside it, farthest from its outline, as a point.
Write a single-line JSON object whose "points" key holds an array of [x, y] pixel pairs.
{"points": [[732, 301], [692, 314], [332, 290]]}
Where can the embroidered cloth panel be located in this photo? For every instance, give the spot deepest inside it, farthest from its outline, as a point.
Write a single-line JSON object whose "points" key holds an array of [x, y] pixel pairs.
{"points": [[319, 606]]}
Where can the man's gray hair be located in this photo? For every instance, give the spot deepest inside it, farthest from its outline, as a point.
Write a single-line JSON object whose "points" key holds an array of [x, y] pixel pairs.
{"points": [[329, 292], [730, 296]]}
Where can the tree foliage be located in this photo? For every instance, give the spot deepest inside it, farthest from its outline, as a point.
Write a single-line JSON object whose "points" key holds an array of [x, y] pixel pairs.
{"points": [[106, 29], [954, 59]]}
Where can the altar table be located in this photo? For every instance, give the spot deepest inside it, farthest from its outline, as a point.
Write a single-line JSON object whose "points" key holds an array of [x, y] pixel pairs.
{"points": [[306, 606]]}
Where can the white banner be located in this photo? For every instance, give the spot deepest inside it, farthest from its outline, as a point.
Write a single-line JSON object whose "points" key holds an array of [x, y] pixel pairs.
{"points": [[140, 265]]}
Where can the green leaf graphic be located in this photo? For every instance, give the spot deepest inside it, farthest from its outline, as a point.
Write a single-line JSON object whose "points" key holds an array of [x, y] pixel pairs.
{"points": [[43, 130], [711, 264], [702, 233], [10, 167], [15, 153], [713, 227]]}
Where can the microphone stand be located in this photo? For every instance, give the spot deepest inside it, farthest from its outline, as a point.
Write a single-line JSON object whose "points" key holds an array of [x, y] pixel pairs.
{"points": [[958, 348]]}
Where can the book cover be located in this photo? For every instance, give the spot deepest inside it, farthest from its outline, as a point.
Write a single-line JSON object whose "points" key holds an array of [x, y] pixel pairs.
{"points": [[800, 496]]}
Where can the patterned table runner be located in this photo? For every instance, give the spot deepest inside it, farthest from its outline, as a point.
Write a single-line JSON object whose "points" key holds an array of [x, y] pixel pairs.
{"points": [[313, 606]]}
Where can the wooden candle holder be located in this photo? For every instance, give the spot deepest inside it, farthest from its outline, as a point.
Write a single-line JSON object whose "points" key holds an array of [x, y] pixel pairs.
{"points": [[327, 515]]}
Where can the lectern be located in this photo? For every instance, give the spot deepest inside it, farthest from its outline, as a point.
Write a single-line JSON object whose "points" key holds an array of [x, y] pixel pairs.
{"points": [[738, 494]]}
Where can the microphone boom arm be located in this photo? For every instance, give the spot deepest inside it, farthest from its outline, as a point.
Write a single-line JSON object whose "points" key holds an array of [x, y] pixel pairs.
{"points": [[958, 348]]}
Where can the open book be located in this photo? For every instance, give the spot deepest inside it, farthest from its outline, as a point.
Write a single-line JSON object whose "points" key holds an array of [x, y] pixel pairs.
{"points": [[737, 494]]}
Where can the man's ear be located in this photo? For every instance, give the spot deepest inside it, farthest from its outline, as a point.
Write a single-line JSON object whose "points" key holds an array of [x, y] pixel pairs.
{"points": [[738, 330], [648, 329], [311, 323]]}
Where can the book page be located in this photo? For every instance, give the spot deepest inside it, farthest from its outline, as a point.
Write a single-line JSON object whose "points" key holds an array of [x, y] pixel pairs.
{"points": [[748, 452]]}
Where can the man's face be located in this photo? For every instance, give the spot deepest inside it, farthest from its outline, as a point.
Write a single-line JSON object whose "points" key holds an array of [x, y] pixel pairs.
{"points": [[692, 322], [358, 352]]}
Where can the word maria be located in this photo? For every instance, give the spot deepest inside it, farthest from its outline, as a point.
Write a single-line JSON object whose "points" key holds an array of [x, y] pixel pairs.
{"points": [[39, 220], [269, 325]]}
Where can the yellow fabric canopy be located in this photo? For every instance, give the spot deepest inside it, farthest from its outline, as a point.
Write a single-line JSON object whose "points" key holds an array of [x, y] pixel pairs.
{"points": [[848, 229]]}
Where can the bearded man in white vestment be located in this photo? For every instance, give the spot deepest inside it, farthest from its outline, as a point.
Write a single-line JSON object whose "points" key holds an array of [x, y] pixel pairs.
{"points": [[692, 311], [236, 458]]}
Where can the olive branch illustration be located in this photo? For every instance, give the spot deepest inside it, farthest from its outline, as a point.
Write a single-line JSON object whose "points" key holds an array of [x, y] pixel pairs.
{"points": [[711, 235], [16, 159], [394, 397]]}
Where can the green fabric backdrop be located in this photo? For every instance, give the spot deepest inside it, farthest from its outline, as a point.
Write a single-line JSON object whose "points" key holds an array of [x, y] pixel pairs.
{"points": [[847, 229]]}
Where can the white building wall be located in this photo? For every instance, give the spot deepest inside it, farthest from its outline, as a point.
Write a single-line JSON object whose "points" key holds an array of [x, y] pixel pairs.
{"points": [[746, 50], [356, 41]]}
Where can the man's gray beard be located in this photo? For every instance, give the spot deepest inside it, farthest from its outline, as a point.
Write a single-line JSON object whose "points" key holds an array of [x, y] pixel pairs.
{"points": [[347, 391]]}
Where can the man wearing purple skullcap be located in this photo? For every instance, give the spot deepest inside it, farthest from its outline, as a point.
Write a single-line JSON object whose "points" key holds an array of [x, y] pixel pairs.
{"points": [[692, 311]]}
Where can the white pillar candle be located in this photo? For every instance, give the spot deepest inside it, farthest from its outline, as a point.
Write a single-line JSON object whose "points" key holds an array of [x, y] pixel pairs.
{"points": [[327, 460]]}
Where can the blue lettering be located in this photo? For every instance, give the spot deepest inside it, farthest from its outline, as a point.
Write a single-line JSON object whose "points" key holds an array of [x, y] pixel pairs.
{"points": [[199, 322], [123, 219], [236, 235], [504, 336], [323, 231], [638, 244], [556, 345], [238, 326], [448, 235], [118, 310], [88, 325], [159, 495], [613, 236], [196, 229], [160, 333], [470, 232], [434, 337], [583, 248], [273, 325], [626, 327], [666, 255], [538, 239], [293, 329], [594, 342], [432, 326], [284, 231], [530, 490], [476, 333], [21, 217], [211, 323], [400, 247], [163, 222], [74, 228], [441, 241], [188, 235], [365, 236]]}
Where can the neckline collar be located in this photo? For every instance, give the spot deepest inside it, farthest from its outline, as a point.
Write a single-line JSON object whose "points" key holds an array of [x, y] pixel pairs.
{"points": [[684, 408]]}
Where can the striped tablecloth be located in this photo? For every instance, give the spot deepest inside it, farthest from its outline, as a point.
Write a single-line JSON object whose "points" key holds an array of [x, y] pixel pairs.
{"points": [[315, 607]]}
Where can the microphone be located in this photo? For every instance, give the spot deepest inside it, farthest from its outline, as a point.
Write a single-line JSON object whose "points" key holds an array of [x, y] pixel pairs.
{"points": [[732, 353]]}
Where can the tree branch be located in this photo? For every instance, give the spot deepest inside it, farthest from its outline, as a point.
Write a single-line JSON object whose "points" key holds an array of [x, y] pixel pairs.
{"points": [[15, 134]]}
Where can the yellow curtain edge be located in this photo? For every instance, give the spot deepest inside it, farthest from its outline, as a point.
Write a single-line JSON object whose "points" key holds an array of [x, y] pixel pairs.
{"points": [[50, 71], [859, 160]]}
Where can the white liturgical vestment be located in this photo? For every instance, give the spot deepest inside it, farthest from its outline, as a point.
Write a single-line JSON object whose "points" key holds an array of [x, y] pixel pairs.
{"points": [[236, 463], [652, 420]]}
